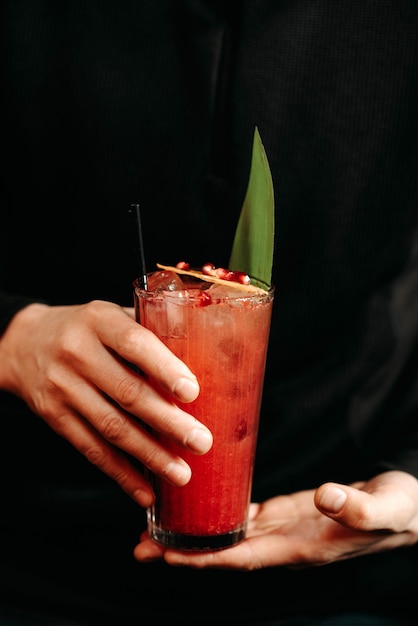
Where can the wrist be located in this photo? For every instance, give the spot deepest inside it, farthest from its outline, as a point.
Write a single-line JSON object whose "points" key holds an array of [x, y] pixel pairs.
{"points": [[13, 343]]}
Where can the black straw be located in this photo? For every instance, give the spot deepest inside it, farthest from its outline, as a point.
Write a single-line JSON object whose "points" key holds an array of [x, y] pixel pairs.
{"points": [[142, 267]]}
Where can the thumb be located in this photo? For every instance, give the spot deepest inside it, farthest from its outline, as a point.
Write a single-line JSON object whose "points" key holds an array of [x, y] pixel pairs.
{"points": [[330, 499], [387, 502]]}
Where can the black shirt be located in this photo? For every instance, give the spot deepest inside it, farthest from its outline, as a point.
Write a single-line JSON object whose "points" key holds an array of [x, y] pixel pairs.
{"points": [[105, 104]]}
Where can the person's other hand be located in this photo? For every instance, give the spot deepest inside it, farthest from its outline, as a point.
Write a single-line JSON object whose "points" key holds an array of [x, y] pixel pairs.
{"points": [[70, 364], [312, 528]]}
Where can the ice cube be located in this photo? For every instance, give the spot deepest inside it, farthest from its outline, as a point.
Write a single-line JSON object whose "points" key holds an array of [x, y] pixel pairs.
{"points": [[218, 291], [164, 281]]}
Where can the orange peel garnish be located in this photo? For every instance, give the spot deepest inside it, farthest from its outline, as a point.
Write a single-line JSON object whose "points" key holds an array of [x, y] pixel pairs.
{"points": [[212, 279]]}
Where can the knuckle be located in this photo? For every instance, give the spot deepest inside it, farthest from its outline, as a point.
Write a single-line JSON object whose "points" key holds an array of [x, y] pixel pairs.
{"points": [[59, 422], [151, 458], [104, 458], [96, 455], [170, 420], [127, 391], [113, 426], [130, 340], [72, 342], [93, 309], [71, 347]]}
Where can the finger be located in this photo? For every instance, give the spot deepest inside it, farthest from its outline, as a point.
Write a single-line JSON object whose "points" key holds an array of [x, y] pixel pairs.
{"points": [[253, 511], [148, 550], [120, 430], [127, 387], [142, 348], [137, 396], [104, 456]]}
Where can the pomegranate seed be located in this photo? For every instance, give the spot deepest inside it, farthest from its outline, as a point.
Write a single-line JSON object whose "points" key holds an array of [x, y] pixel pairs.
{"points": [[204, 298], [209, 269], [241, 277], [219, 272], [224, 274], [182, 265]]}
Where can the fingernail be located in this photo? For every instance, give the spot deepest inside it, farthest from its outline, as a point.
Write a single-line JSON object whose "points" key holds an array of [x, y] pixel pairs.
{"points": [[333, 499], [186, 389], [199, 440], [178, 473], [144, 498]]}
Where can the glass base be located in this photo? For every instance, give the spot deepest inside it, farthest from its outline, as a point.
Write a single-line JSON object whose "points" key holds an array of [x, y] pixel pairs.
{"points": [[196, 543]]}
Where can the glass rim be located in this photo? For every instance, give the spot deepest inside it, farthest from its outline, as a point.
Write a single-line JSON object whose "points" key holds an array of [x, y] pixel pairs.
{"points": [[241, 292]]}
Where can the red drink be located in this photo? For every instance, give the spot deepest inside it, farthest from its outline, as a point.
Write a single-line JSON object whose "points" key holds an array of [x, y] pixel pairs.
{"points": [[222, 336]]}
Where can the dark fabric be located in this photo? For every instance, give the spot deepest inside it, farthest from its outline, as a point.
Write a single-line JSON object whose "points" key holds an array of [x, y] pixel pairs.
{"points": [[16, 617], [104, 104]]}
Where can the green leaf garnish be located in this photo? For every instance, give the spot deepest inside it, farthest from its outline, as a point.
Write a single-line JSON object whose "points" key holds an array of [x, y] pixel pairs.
{"points": [[253, 246]]}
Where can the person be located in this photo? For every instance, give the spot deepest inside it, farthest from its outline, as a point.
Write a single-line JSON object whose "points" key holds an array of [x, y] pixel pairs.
{"points": [[108, 104]]}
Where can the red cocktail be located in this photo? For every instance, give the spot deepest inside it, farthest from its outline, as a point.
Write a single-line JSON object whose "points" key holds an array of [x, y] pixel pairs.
{"points": [[221, 333]]}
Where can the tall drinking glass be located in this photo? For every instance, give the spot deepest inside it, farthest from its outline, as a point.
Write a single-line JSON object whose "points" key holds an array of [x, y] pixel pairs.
{"points": [[221, 333]]}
